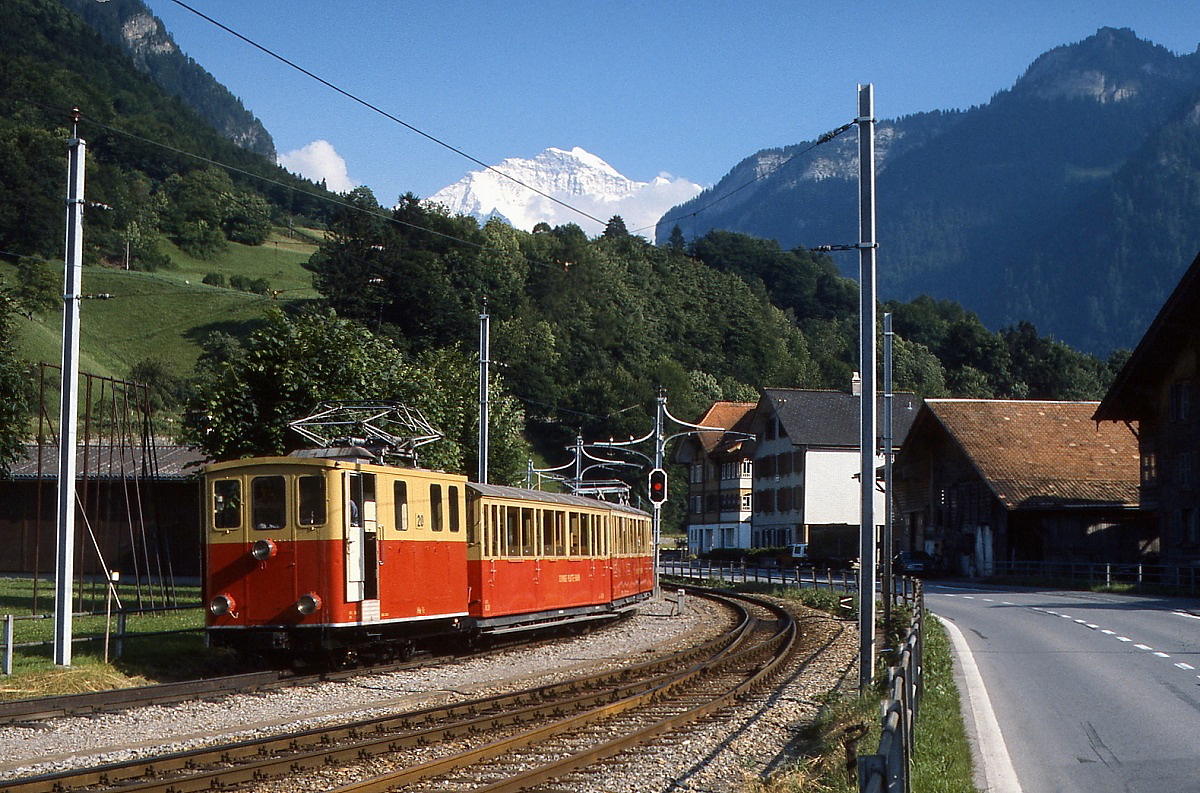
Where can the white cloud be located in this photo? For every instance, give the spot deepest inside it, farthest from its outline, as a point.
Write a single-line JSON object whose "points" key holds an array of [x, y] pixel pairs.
{"points": [[319, 160]]}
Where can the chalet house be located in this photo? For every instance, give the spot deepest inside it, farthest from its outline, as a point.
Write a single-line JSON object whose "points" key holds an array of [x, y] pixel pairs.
{"points": [[720, 469], [1156, 398], [140, 505], [978, 481], [806, 467]]}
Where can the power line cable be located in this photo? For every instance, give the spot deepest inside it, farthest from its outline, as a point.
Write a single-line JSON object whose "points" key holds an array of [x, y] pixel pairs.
{"points": [[381, 111]]}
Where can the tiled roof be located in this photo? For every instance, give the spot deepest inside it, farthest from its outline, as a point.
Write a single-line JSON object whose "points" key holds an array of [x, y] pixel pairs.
{"points": [[114, 462], [1036, 454], [831, 418], [735, 416]]}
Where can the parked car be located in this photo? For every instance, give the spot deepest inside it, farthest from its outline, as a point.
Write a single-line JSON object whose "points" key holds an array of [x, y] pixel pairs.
{"points": [[916, 563]]}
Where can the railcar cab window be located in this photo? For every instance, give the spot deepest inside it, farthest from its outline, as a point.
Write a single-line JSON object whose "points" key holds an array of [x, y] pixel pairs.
{"points": [[268, 502], [435, 508], [227, 504], [400, 497], [312, 500], [455, 524]]}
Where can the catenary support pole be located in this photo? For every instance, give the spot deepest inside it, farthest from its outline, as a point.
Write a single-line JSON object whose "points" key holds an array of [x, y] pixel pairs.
{"points": [[69, 415], [660, 411], [485, 345], [867, 436]]}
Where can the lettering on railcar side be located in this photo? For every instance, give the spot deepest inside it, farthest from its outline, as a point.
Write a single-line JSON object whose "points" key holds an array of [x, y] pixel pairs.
{"points": [[568, 578]]}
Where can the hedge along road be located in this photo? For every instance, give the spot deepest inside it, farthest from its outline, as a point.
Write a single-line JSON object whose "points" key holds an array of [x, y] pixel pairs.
{"points": [[1091, 692]]}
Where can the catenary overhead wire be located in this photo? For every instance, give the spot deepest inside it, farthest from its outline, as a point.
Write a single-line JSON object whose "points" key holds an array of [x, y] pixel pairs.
{"points": [[319, 196], [381, 111]]}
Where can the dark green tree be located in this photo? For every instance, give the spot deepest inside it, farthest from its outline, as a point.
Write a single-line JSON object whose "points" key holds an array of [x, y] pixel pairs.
{"points": [[616, 228], [38, 288], [676, 243], [15, 392]]}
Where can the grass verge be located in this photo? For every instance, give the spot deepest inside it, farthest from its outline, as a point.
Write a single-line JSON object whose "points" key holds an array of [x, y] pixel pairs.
{"points": [[158, 646]]}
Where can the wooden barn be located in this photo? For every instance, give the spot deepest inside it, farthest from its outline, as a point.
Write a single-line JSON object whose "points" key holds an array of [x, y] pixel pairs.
{"points": [[138, 511]]}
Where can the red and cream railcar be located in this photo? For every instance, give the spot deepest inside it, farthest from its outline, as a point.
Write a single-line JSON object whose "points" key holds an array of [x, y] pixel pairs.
{"points": [[327, 554], [551, 556]]}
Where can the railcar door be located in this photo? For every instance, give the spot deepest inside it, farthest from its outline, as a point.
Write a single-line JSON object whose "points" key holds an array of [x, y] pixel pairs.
{"points": [[361, 535]]}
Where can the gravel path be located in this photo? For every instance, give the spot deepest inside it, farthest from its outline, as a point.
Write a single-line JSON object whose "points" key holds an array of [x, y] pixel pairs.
{"points": [[741, 745]]}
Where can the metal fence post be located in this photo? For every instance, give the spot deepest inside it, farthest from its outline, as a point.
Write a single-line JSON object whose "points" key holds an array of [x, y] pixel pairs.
{"points": [[119, 642], [8, 644]]}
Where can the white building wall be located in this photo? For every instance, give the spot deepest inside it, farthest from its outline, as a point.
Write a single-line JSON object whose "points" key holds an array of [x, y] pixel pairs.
{"points": [[832, 493]]}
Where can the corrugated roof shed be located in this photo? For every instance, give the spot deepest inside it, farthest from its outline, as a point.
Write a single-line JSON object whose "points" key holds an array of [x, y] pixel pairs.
{"points": [[1035, 453], [114, 462]]}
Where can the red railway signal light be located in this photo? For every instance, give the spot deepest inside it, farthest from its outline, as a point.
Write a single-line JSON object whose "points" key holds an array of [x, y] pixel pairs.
{"points": [[658, 486]]}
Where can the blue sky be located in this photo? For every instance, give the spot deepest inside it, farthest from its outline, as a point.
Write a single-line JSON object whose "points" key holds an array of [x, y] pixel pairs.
{"points": [[687, 89]]}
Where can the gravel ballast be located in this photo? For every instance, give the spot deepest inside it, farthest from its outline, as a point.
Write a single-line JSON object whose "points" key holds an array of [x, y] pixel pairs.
{"points": [[721, 755]]}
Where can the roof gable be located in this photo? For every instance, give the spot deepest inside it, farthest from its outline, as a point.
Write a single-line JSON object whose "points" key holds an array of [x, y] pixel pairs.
{"points": [[832, 418], [733, 417], [1129, 397]]}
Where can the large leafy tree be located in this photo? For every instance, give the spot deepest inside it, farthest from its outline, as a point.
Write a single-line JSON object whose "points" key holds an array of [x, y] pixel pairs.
{"points": [[246, 393]]}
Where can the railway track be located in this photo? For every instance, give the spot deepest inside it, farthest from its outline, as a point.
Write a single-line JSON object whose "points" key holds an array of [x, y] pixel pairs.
{"points": [[481, 744], [23, 711]]}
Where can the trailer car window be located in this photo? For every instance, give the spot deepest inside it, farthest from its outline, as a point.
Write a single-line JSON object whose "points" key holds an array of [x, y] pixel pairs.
{"points": [[454, 524], [267, 502], [227, 504], [312, 500], [512, 531]]}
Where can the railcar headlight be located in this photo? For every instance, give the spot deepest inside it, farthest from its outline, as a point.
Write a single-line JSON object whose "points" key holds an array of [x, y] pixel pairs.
{"points": [[221, 605], [263, 550], [309, 604]]}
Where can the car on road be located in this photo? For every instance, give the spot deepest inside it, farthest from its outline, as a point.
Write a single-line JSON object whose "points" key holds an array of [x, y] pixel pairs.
{"points": [[916, 563]]}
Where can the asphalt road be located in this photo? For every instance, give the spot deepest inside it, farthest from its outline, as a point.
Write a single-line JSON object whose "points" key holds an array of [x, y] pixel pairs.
{"points": [[1090, 692]]}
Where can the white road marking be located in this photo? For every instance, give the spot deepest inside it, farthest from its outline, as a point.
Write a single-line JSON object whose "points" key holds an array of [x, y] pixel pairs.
{"points": [[993, 752], [1143, 647], [1182, 665], [1093, 627], [1108, 632], [1124, 639], [1162, 655], [1189, 616]]}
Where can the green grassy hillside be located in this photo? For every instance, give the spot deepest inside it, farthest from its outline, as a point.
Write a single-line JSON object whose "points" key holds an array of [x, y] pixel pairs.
{"points": [[167, 314]]}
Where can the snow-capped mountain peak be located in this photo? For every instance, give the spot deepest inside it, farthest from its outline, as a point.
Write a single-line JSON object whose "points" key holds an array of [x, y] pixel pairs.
{"points": [[578, 179]]}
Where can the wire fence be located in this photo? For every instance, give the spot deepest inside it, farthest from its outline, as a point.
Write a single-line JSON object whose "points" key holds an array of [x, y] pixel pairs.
{"points": [[118, 628], [1169, 579]]}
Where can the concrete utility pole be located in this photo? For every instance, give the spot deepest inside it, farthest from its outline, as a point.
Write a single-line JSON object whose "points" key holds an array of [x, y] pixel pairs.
{"points": [[69, 415], [867, 436], [885, 558], [485, 352]]}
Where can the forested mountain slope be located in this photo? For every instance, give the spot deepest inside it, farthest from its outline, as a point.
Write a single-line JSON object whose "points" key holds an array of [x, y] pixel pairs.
{"points": [[1076, 187]]}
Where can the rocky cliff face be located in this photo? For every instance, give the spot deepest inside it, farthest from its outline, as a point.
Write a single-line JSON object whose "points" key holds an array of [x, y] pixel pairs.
{"points": [[129, 26]]}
